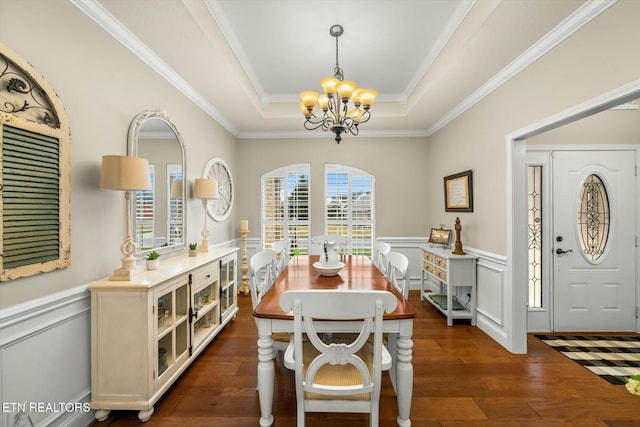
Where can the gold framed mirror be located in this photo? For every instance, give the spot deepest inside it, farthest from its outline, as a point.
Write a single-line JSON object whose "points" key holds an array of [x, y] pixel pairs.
{"points": [[159, 214]]}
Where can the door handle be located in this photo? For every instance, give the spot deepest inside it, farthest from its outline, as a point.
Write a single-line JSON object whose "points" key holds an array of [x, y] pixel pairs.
{"points": [[560, 251]]}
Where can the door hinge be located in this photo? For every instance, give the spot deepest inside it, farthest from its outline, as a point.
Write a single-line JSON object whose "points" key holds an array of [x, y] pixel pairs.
{"points": [[636, 241], [637, 311]]}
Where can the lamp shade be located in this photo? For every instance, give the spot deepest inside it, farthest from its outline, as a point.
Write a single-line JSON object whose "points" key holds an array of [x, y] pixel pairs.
{"points": [[176, 189], [205, 188], [124, 173]]}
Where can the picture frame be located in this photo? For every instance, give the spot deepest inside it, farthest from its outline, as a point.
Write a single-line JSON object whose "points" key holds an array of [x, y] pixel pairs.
{"points": [[439, 236], [458, 192]]}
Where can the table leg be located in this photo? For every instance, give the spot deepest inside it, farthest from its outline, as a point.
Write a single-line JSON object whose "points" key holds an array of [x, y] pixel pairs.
{"points": [[404, 377], [266, 372]]}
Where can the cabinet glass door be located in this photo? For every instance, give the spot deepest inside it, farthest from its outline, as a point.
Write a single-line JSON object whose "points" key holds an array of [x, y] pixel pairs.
{"points": [[228, 284], [206, 311], [172, 336]]}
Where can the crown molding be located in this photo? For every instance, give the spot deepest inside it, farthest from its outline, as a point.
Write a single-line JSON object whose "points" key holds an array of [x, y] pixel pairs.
{"points": [[590, 10], [118, 31]]}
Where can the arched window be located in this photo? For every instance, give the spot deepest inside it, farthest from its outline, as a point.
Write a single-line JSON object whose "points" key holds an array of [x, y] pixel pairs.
{"points": [[35, 174]]}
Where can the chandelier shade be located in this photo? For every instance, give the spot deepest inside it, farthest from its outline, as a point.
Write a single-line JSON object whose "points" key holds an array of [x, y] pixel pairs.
{"points": [[342, 107]]}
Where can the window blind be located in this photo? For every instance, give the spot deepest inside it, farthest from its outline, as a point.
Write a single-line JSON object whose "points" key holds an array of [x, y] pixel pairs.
{"points": [[349, 206], [175, 214], [145, 215], [30, 197], [285, 207]]}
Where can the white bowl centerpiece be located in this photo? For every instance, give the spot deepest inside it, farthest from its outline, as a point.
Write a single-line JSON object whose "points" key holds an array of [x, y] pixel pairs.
{"points": [[328, 269]]}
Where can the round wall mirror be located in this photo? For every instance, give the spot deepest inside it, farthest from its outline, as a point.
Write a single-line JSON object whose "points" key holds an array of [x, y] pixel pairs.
{"points": [[158, 214]]}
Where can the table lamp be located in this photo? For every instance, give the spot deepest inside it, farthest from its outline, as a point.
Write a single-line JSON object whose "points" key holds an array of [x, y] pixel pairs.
{"points": [[176, 189], [205, 189], [125, 173]]}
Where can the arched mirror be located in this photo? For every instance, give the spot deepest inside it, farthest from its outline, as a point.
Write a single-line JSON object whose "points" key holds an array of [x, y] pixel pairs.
{"points": [[158, 214]]}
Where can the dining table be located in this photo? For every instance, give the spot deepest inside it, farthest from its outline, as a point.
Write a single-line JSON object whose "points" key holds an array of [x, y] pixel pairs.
{"points": [[358, 273]]}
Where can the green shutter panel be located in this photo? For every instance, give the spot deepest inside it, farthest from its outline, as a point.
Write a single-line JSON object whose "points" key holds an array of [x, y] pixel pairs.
{"points": [[30, 197]]}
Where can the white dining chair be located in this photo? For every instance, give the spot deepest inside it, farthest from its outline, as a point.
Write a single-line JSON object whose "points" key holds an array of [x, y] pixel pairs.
{"points": [[281, 249], [261, 279], [379, 258], [337, 374], [396, 272], [342, 243]]}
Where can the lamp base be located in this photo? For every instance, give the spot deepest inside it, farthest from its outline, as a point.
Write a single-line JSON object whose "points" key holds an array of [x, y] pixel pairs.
{"points": [[204, 246], [121, 274]]}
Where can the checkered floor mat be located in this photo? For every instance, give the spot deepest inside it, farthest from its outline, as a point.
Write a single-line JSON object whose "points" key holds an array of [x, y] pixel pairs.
{"points": [[611, 357]]}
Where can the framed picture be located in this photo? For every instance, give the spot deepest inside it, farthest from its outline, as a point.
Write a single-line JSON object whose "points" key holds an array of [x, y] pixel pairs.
{"points": [[458, 192], [439, 236]]}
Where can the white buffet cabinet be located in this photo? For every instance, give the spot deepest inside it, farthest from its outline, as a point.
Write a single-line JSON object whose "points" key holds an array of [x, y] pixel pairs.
{"points": [[449, 272], [145, 332]]}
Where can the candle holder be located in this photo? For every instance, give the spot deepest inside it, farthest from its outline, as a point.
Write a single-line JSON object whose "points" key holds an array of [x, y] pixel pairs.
{"points": [[244, 268]]}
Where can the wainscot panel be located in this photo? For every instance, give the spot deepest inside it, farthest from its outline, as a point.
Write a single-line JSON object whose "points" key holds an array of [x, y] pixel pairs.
{"points": [[45, 373]]}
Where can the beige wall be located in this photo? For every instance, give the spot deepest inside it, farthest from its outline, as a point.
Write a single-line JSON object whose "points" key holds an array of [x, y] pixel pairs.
{"points": [[399, 167], [595, 60], [103, 86], [610, 127]]}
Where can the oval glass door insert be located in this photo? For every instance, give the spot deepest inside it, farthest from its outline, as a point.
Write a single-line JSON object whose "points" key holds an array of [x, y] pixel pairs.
{"points": [[593, 218]]}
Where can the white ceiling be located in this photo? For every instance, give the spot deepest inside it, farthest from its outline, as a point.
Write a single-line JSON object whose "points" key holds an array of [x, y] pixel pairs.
{"points": [[245, 61]]}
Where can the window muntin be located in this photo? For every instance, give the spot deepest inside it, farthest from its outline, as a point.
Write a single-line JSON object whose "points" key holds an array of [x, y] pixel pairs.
{"points": [[350, 206], [593, 218], [286, 208]]}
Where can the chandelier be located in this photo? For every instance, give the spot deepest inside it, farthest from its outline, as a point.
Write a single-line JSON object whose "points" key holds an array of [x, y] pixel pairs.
{"points": [[343, 105]]}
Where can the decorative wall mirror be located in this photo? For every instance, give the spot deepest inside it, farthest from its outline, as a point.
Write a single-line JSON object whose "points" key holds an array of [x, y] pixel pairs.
{"points": [[159, 214]]}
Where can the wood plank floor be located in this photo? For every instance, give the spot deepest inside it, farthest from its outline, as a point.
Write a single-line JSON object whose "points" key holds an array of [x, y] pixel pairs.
{"points": [[461, 378]]}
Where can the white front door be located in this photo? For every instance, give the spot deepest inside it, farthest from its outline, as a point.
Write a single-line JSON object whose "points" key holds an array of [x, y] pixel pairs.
{"points": [[594, 208]]}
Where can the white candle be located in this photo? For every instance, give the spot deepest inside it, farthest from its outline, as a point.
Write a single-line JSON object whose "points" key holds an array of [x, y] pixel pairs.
{"points": [[244, 225]]}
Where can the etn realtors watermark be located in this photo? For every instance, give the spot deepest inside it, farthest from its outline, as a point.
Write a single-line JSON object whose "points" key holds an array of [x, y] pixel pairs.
{"points": [[13, 407]]}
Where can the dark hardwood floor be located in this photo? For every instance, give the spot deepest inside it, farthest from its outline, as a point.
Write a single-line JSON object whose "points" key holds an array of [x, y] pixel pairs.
{"points": [[461, 378]]}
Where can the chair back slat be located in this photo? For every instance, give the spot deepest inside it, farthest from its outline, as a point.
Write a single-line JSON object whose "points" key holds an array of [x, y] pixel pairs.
{"points": [[397, 267]]}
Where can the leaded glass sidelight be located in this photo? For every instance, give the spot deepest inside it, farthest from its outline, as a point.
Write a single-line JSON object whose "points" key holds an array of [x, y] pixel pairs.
{"points": [[593, 217], [534, 232]]}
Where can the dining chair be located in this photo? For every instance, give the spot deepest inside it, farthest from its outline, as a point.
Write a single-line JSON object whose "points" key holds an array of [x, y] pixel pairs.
{"points": [[334, 373], [261, 278], [396, 272], [281, 249], [380, 251], [342, 243]]}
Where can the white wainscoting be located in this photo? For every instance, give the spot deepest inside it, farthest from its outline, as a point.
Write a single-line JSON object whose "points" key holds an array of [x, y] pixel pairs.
{"points": [[45, 361], [491, 282]]}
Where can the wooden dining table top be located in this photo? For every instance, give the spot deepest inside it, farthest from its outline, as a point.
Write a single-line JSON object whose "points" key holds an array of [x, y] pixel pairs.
{"points": [[358, 273]]}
